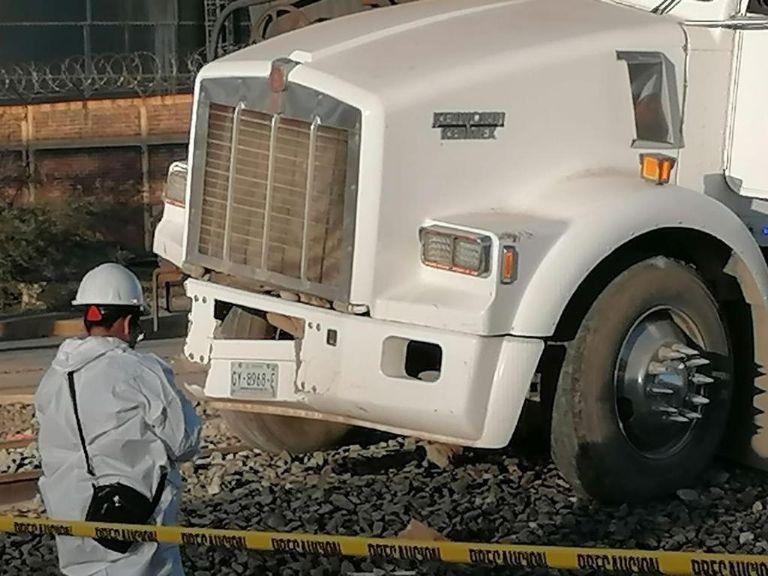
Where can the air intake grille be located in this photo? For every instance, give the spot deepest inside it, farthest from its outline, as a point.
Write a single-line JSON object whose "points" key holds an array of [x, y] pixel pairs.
{"points": [[274, 194]]}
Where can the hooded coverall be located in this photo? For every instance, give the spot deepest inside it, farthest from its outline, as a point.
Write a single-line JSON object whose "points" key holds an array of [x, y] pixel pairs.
{"points": [[135, 421]]}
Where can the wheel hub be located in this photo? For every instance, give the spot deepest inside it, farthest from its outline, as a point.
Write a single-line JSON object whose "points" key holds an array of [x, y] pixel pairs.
{"points": [[660, 392]]}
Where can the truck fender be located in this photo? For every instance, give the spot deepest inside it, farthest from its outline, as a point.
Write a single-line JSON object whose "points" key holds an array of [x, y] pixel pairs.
{"points": [[600, 220], [602, 215]]}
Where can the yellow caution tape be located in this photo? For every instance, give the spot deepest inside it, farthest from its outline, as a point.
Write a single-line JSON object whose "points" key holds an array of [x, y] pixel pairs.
{"points": [[607, 560]]}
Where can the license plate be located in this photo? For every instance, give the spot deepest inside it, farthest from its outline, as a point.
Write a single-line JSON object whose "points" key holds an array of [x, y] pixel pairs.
{"points": [[254, 377]]}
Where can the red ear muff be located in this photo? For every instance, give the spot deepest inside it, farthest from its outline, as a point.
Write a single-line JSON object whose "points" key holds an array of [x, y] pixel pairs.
{"points": [[93, 314]]}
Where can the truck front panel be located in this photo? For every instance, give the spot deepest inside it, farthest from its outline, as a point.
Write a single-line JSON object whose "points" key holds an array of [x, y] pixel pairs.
{"points": [[360, 370]]}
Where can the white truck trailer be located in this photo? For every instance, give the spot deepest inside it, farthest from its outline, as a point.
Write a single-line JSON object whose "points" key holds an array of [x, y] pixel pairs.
{"points": [[416, 218]]}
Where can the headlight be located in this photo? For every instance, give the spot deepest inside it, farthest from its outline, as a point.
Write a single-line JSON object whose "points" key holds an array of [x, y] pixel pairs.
{"points": [[456, 250], [175, 191]]}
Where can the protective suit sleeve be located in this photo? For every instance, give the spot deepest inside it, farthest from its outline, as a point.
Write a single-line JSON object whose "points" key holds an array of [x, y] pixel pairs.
{"points": [[169, 413]]}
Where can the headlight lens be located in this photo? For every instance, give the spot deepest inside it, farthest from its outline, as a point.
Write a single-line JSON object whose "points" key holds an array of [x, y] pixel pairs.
{"points": [[469, 254], [437, 250], [175, 191], [455, 250]]}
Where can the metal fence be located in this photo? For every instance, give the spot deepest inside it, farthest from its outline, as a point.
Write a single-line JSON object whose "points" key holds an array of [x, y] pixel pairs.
{"points": [[139, 73]]}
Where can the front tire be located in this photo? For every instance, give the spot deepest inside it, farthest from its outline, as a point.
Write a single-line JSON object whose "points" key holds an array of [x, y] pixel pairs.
{"points": [[644, 392], [276, 434]]}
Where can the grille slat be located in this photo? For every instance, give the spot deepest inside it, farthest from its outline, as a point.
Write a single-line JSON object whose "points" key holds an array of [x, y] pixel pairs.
{"points": [[274, 201]]}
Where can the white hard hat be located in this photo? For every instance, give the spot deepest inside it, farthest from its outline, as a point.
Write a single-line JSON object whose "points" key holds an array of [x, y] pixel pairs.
{"points": [[110, 285]]}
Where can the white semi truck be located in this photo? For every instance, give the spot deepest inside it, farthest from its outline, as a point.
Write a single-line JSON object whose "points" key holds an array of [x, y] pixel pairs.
{"points": [[417, 218]]}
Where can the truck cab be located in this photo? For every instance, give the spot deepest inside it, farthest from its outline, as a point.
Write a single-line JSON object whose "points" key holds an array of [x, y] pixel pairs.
{"points": [[418, 218]]}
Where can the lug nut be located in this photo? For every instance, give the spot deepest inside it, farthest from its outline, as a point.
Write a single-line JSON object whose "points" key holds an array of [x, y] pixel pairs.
{"points": [[656, 368], [666, 410], [697, 362], [683, 349], [698, 400], [660, 390], [669, 354], [690, 415], [677, 418], [701, 380]]}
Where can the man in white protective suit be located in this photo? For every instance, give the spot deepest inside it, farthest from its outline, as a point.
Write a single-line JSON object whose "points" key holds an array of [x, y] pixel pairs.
{"points": [[113, 428]]}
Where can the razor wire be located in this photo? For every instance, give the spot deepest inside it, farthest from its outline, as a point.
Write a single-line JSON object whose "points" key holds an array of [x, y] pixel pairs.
{"points": [[137, 73]]}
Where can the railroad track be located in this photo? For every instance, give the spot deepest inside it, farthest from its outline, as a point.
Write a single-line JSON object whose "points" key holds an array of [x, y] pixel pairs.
{"points": [[22, 486], [21, 443], [19, 487], [16, 444]]}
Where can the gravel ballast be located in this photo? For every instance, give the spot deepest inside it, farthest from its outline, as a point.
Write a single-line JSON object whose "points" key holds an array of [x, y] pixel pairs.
{"points": [[16, 419], [379, 489]]}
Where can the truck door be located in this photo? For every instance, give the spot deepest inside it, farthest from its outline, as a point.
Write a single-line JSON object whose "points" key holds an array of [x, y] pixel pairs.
{"points": [[747, 160]]}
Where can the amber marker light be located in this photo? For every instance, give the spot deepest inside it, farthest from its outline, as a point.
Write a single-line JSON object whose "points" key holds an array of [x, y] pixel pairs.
{"points": [[277, 78], [657, 168], [508, 264]]}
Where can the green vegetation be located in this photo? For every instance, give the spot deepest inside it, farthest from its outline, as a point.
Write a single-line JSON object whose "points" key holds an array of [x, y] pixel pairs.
{"points": [[46, 249]]}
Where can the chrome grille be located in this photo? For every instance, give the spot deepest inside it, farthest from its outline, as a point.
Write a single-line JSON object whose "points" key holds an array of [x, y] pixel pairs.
{"points": [[273, 195]]}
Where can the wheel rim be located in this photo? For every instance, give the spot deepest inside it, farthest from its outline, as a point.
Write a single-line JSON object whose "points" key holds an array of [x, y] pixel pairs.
{"points": [[661, 396]]}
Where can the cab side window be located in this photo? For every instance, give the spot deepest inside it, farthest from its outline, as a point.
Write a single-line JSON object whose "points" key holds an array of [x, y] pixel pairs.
{"points": [[758, 7], [654, 99]]}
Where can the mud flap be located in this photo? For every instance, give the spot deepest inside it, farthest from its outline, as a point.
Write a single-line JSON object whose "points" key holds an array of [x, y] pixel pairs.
{"points": [[747, 440]]}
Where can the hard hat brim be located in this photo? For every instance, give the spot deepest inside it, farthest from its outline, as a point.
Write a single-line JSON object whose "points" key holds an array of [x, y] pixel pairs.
{"points": [[142, 306]]}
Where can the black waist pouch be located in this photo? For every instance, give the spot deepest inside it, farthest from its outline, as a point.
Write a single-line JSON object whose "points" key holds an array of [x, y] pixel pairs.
{"points": [[121, 504], [115, 503]]}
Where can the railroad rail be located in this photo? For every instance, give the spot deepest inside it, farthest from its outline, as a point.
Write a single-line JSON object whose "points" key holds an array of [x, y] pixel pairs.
{"points": [[19, 487], [18, 395], [21, 443], [17, 443]]}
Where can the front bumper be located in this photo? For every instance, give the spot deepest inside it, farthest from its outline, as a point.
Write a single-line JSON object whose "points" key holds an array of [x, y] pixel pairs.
{"points": [[476, 401]]}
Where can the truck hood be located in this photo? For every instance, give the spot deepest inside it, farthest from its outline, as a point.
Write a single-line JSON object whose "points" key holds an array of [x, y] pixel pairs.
{"points": [[430, 44], [550, 66]]}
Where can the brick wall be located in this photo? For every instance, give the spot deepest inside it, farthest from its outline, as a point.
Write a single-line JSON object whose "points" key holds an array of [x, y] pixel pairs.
{"points": [[95, 119], [13, 174], [112, 154]]}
